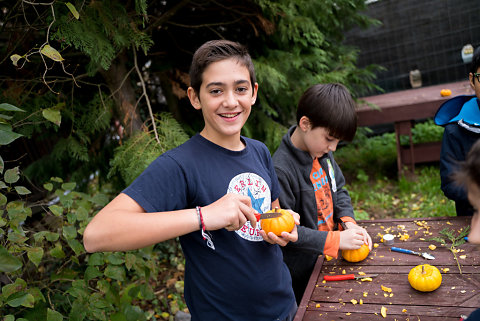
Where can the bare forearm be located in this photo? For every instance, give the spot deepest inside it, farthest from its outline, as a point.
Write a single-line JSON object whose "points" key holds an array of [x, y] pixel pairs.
{"points": [[120, 229]]}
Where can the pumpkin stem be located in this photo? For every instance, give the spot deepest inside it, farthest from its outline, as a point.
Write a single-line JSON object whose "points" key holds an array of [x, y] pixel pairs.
{"points": [[423, 269]]}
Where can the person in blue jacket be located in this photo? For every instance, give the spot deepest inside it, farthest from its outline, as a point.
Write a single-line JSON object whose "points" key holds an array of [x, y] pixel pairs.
{"points": [[207, 192], [461, 118]]}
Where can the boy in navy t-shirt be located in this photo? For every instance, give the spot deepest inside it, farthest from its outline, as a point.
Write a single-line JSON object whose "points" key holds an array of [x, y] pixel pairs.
{"points": [[206, 192]]}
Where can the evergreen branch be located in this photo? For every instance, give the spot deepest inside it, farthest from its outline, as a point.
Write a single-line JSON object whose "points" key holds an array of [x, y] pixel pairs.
{"points": [[448, 235]]}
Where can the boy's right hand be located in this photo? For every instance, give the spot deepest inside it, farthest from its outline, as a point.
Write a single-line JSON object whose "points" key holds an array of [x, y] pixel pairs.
{"points": [[351, 239], [231, 212]]}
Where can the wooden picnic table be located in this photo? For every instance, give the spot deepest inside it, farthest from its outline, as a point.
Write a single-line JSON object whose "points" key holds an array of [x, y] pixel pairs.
{"points": [[459, 293]]}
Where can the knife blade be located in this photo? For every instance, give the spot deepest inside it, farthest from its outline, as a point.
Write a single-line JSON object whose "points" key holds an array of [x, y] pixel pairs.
{"points": [[342, 277], [264, 216], [425, 255]]}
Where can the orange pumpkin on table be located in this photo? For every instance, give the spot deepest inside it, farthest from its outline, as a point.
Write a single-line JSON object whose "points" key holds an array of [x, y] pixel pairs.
{"points": [[356, 255], [445, 92], [277, 225]]}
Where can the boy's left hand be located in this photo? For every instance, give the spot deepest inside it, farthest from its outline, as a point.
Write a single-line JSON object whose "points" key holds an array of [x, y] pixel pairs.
{"points": [[286, 237], [366, 237]]}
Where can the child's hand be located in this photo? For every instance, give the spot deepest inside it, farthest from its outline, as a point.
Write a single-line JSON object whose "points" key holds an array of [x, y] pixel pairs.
{"points": [[231, 212], [286, 237], [366, 237], [351, 239]]}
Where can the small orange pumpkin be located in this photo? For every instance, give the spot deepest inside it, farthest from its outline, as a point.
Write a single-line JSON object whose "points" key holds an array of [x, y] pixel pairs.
{"points": [[277, 225], [425, 278], [445, 92], [356, 255]]}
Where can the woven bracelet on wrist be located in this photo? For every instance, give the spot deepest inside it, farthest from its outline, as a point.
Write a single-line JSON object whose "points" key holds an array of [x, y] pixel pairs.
{"points": [[206, 236]]}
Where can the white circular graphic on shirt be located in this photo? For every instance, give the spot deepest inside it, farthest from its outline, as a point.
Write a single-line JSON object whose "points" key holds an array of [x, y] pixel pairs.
{"points": [[255, 187]]}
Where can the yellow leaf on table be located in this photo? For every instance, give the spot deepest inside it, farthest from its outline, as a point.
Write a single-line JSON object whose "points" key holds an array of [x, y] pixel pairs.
{"points": [[386, 289], [432, 247], [353, 301], [328, 257], [383, 312], [366, 279]]}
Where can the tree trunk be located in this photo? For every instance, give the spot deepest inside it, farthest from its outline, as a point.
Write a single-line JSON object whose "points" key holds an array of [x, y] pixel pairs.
{"points": [[124, 94]]}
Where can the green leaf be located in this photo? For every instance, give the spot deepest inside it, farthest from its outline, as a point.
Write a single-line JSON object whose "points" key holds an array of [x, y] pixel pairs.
{"points": [[35, 254], [52, 236], [56, 210], [69, 186], [92, 272], [57, 251], [73, 10], [54, 315], [9, 318], [48, 186], [69, 232], [81, 215], [8, 136], [8, 262], [52, 115], [76, 246], [22, 190], [2, 165], [3, 199], [78, 311], [12, 175], [17, 286], [9, 107], [21, 299], [3, 185], [130, 260], [116, 258], [96, 259], [51, 53], [115, 272]]}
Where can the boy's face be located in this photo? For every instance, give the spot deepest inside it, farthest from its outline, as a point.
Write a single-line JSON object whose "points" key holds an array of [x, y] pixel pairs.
{"points": [[317, 141], [226, 98], [474, 199], [475, 84]]}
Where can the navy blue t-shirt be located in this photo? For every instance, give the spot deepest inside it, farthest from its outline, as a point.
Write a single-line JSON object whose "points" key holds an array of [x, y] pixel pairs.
{"points": [[244, 277]]}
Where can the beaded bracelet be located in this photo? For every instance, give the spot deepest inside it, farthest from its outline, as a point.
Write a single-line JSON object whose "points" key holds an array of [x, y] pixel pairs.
{"points": [[205, 234]]}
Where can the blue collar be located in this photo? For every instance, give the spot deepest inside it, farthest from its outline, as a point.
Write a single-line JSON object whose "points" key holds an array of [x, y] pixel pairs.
{"points": [[460, 108]]}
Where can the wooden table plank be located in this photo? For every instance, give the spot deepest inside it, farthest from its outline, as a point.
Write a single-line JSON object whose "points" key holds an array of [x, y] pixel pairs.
{"points": [[459, 293]]}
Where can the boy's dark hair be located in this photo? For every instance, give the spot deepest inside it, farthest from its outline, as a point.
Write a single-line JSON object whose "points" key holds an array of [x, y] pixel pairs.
{"points": [[330, 106], [470, 169], [216, 50], [475, 64]]}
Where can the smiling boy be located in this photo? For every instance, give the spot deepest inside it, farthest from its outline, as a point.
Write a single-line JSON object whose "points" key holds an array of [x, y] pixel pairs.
{"points": [[206, 192]]}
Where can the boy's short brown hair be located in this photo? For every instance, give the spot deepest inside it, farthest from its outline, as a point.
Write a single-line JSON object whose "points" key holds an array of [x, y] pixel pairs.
{"points": [[216, 50], [330, 106]]}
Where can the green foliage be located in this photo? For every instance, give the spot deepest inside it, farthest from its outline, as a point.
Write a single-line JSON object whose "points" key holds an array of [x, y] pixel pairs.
{"points": [[376, 155], [105, 28], [77, 150], [306, 48], [424, 132], [51, 277], [7, 135], [133, 157]]}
